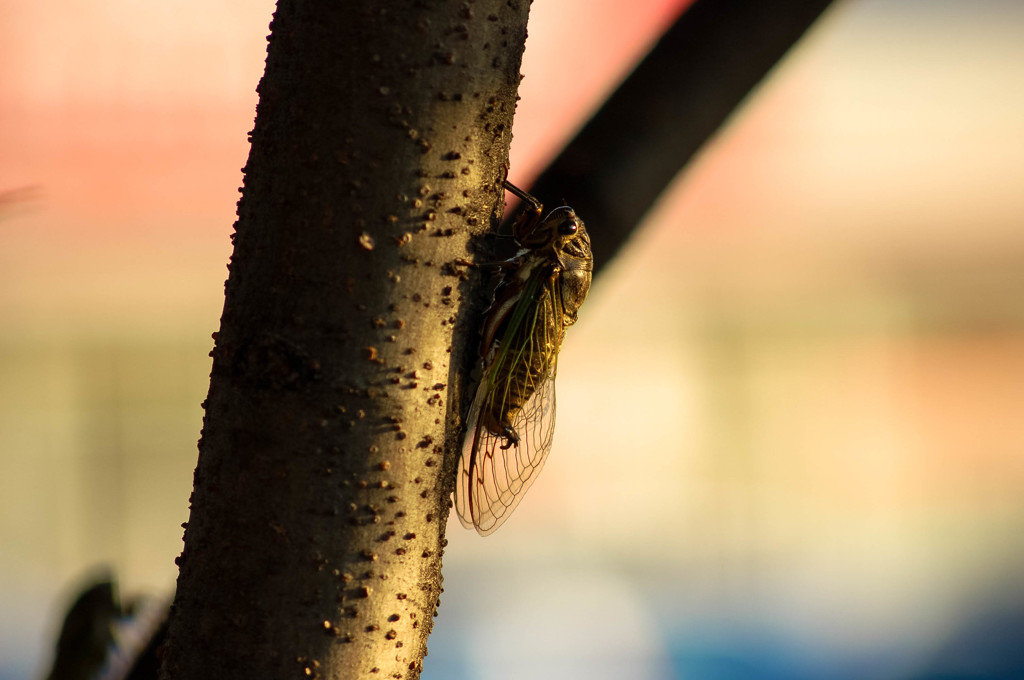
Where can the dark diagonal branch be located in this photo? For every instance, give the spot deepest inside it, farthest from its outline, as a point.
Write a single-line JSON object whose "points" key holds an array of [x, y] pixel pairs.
{"points": [[653, 124]]}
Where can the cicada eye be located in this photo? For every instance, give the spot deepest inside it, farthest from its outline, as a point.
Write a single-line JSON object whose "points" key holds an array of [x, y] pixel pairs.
{"points": [[569, 227]]}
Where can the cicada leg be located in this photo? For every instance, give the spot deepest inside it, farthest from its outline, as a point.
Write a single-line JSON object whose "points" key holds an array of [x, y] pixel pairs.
{"points": [[527, 221], [534, 203], [511, 438], [500, 427]]}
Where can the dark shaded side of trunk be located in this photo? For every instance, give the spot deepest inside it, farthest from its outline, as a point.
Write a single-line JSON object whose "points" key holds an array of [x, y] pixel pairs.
{"points": [[321, 493]]}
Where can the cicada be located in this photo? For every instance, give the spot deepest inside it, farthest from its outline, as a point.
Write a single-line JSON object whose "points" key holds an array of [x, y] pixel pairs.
{"points": [[511, 422]]}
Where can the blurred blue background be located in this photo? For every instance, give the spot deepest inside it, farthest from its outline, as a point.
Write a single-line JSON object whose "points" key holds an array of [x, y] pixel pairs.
{"points": [[791, 416]]}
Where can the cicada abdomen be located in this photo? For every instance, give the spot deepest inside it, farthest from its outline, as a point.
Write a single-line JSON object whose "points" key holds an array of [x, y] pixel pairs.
{"points": [[512, 419]]}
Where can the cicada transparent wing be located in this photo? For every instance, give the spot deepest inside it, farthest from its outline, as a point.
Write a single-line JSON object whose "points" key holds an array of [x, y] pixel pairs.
{"points": [[512, 420], [493, 480]]}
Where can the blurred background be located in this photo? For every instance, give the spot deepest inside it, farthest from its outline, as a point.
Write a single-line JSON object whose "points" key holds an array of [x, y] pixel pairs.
{"points": [[791, 416]]}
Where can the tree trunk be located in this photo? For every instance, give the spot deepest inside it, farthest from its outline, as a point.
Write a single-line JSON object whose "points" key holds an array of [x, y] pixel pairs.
{"points": [[339, 372]]}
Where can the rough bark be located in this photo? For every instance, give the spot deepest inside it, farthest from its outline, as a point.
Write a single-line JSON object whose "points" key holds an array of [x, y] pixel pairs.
{"points": [[322, 488]]}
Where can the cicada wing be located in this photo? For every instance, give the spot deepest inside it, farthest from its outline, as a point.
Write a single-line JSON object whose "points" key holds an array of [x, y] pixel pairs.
{"points": [[493, 480]]}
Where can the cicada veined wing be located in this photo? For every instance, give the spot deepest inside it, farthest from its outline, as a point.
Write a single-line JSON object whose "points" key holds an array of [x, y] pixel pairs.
{"points": [[493, 478], [512, 421]]}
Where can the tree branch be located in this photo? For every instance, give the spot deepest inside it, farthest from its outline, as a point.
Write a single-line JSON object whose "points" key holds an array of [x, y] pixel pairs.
{"points": [[653, 124]]}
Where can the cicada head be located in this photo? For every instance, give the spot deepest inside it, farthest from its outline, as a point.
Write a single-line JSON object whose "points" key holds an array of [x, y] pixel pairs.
{"points": [[563, 236], [558, 229]]}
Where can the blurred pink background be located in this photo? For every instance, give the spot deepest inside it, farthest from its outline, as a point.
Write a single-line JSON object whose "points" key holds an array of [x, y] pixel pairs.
{"points": [[791, 416]]}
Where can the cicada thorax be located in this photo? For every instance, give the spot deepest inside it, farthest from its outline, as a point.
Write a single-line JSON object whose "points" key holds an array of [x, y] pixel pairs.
{"points": [[563, 237]]}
